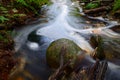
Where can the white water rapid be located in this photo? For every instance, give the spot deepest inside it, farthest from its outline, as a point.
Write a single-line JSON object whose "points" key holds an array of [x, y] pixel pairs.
{"points": [[61, 28]]}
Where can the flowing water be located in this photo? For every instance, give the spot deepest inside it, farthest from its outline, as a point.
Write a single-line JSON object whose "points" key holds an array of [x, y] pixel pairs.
{"points": [[64, 20]]}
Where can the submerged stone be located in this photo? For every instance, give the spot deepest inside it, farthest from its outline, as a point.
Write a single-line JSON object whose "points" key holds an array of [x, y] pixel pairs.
{"points": [[71, 52], [33, 37]]}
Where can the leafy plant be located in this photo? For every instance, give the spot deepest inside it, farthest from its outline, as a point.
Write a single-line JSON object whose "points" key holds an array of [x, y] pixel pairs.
{"points": [[3, 8], [23, 2], [3, 19], [34, 5], [92, 5], [17, 9], [116, 5]]}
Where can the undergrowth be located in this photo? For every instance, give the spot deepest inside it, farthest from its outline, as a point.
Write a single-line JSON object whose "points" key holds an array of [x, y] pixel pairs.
{"points": [[15, 12], [116, 5]]}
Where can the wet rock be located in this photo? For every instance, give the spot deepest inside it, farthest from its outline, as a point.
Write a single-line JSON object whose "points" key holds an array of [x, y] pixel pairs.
{"points": [[97, 44], [33, 37], [116, 28], [110, 48], [71, 52], [94, 71]]}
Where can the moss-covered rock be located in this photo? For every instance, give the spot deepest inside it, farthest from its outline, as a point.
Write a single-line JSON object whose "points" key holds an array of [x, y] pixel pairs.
{"points": [[97, 43], [112, 48], [71, 52], [108, 48]]}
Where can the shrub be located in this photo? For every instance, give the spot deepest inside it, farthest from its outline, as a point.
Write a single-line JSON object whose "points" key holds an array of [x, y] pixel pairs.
{"points": [[116, 5]]}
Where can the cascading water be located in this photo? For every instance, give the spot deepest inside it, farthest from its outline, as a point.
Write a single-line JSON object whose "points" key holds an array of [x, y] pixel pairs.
{"points": [[33, 41]]}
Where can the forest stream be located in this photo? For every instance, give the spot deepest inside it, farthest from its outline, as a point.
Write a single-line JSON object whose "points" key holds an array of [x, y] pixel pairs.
{"points": [[63, 19]]}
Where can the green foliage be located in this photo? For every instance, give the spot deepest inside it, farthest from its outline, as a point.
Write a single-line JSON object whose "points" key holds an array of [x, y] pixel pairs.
{"points": [[3, 19], [92, 5], [39, 3], [19, 9], [23, 2], [116, 5], [3, 8], [32, 4]]}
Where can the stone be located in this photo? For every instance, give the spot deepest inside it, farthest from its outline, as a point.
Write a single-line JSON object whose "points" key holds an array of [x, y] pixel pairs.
{"points": [[116, 28], [109, 48], [71, 52], [97, 43]]}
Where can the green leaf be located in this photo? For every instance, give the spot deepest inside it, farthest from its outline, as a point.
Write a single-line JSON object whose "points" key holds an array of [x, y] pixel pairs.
{"points": [[3, 19], [92, 5], [3, 8]]}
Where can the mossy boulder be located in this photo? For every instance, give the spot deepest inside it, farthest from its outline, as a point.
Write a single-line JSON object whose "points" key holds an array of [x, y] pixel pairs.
{"points": [[97, 43], [108, 48], [72, 51], [112, 49]]}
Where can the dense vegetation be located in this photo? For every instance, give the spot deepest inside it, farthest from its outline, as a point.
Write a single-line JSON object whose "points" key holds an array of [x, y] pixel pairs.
{"points": [[15, 12], [96, 3], [116, 5]]}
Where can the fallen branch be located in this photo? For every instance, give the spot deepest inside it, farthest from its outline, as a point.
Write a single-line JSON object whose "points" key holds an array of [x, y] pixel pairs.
{"points": [[96, 10], [62, 66]]}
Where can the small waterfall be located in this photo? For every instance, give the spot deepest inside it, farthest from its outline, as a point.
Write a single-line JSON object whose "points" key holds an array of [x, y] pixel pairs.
{"points": [[62, 22], [60, 28]]}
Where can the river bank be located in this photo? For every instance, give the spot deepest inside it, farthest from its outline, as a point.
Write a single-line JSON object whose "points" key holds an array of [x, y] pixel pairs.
{"points": [[14, 14], [102, 8]]}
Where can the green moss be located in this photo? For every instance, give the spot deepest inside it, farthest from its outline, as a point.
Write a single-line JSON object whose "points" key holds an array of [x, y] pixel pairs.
{"points": [[54, 50]]}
